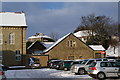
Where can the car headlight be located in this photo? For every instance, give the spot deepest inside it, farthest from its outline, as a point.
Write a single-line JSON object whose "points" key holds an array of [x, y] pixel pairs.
{"points": [[75, 67]]}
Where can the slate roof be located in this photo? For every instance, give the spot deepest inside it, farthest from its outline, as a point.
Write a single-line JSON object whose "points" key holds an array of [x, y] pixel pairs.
{"points": [[37, 45]]}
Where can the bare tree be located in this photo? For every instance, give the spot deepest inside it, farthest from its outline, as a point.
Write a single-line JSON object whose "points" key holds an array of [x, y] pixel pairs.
{"points": [[98, 26], [54, 36]]}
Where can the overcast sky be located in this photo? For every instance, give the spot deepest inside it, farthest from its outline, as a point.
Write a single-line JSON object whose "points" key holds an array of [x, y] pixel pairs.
{"points": [[59, 17]]}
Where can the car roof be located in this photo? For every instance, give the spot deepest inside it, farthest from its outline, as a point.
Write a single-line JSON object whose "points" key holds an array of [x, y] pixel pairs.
{"points": [[104, 61]]}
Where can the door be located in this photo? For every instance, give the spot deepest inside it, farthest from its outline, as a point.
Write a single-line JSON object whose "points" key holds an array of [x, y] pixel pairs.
{"points": [[97, 55]]}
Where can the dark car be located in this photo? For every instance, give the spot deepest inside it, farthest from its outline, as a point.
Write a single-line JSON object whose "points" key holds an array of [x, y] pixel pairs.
{"points": [[55, 64], [49, 62], [65, 65], [36, 65]]}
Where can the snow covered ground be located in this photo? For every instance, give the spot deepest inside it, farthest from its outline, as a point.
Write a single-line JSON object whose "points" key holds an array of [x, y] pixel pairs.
{"points": [[42, 73]]}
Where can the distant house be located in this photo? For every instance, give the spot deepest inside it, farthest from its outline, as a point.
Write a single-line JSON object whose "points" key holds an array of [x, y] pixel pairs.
{"points": [[71, 47], [35, 47], [112, 52], [12, 38], [84, 35], [40, 37]]}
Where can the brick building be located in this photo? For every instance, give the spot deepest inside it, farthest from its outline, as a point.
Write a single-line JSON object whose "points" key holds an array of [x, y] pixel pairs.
{"points": [[71, 47], [12, 38]]}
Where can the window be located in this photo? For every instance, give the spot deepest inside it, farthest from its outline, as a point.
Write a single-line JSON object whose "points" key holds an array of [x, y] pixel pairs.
{"points": [[103, 64], [18, 55], [74, 43], [106, 64], [12, 38], [71, 43], [1, 38]]}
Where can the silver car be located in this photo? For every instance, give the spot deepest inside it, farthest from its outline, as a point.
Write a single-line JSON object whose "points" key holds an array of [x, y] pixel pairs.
{"points": [[103, 69], [83, 67], [2, 74]]}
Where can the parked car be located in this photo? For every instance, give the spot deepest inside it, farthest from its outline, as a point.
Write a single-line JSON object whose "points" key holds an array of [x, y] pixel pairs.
{"points": [[49, 62], [103, 69], [65, 65], [5, 68], [2, 73], [36, 65], [83, 67], [55, 64], [117, 60], [76, 62]]}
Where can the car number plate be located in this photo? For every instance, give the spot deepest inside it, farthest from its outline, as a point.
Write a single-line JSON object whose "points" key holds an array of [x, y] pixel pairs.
{"points": [[88, 72]]}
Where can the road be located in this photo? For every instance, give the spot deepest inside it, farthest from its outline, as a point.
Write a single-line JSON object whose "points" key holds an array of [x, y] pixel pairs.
{"points": [[45, 73]]}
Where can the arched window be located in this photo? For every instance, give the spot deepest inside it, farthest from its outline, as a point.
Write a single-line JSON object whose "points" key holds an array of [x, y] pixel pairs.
{"points": [[12, 38], [1, 38]]}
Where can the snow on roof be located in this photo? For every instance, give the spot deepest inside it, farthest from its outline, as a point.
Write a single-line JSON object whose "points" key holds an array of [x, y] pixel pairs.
{"points": [[48, 44], [57, 42], [39, 35], [83, 33], [97, 47], [110, 51], [12, 19]]}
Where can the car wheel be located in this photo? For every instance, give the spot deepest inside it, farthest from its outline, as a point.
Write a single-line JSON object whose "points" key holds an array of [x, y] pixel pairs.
{"points": [[101, 76], [81, 71]]}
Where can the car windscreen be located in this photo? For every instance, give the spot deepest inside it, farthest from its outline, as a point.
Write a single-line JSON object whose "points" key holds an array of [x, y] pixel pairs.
{"points": [[55, 62], [90, 61], [68, 62], [98, 60], [84, 61], [77, 62], [105, 59]]}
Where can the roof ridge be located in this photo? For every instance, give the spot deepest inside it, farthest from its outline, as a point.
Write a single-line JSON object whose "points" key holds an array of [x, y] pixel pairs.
{"points": [[57, 42]]}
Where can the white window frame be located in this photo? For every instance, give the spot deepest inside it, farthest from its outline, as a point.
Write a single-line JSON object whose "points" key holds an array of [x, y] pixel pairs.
{"points": [[1, 38], [18, 55], [12, 38]]}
